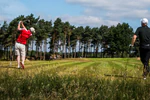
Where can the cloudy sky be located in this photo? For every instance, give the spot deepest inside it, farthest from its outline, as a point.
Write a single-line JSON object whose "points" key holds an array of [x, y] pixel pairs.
{"points": [[92, 13]]}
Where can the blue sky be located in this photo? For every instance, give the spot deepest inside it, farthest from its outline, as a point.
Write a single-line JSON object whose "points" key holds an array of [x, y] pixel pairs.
{"points": [[93, 13]]}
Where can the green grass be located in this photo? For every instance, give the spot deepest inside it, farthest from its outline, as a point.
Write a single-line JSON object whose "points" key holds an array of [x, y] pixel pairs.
{"points": [[75, 79]]}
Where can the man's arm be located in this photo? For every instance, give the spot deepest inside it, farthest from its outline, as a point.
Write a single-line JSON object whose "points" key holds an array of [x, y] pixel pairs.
{"points": [[133, 40], [18, 28], [23, 26]]}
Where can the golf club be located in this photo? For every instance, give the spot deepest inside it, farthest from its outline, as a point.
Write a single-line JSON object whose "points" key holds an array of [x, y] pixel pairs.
{"points": [[130, 48], [10, 59], [27, 21]]}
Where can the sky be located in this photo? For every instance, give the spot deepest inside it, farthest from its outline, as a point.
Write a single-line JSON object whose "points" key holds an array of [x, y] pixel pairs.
{"points": [[93, 13]]}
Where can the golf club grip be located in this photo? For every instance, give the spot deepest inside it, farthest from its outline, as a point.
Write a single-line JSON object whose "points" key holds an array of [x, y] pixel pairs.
{"points": [[27, 21], [130, 50]]}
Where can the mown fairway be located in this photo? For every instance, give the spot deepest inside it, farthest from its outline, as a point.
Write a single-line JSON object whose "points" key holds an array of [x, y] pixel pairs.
{"points": [[69, 79]]}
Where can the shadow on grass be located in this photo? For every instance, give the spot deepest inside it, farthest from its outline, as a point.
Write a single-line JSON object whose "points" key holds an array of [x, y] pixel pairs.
{"points": [[122, 76], [7, 67]]}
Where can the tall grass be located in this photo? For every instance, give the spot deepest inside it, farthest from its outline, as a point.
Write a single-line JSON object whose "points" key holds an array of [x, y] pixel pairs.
{"points": [[74, 79]]}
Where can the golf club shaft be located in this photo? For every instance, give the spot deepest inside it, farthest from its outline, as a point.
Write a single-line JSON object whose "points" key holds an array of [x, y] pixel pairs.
{"points": [[28, 21]]}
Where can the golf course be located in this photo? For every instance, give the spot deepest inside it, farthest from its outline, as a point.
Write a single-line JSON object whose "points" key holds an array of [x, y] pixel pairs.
{"points": [[74, 79]]}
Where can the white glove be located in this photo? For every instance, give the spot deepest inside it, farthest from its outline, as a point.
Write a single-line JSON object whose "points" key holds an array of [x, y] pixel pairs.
{"points": [[19, 22], [130, 45]]}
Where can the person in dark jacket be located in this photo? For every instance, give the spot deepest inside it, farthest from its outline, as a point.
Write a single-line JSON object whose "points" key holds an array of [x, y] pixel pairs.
{"points": [[143, 33]]}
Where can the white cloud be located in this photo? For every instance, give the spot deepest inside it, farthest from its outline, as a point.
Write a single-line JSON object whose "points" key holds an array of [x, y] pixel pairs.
{"points": [[115, 10], [10, 9], [92, 12], [88, 21], [112, 6]]}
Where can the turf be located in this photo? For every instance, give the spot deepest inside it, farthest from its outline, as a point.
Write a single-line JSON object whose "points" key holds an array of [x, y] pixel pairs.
{"points": [[79, 66], [74, 79]]}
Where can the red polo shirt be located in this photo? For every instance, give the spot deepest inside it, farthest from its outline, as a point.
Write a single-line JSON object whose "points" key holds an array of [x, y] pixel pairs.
{"points": [[23, 36]]}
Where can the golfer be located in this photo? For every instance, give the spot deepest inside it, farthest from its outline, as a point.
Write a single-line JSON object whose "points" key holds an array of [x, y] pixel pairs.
{"points": [[21, 41], [143, 33]]}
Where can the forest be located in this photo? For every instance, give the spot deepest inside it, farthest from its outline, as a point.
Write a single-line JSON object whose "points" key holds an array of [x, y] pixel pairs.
{"points": [[64, 40]]}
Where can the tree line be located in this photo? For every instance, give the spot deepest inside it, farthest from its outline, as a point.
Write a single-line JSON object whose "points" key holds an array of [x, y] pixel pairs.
{"points": [[66, 40]]}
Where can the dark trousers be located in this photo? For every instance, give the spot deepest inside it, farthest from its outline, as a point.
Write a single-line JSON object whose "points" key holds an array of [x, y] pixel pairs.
{"points": [[144, 56]]}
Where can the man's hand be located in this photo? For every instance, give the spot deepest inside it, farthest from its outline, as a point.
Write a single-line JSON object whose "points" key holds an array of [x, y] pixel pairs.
{"points": [[20, 22], [131, 45]]}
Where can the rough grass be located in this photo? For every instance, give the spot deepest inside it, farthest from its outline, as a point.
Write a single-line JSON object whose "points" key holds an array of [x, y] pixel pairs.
{"points": [[75, 79]]}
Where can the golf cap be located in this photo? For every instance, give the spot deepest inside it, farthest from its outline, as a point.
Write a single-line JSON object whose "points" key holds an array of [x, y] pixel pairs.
{"points": [[32, 30], [144, 20]]}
